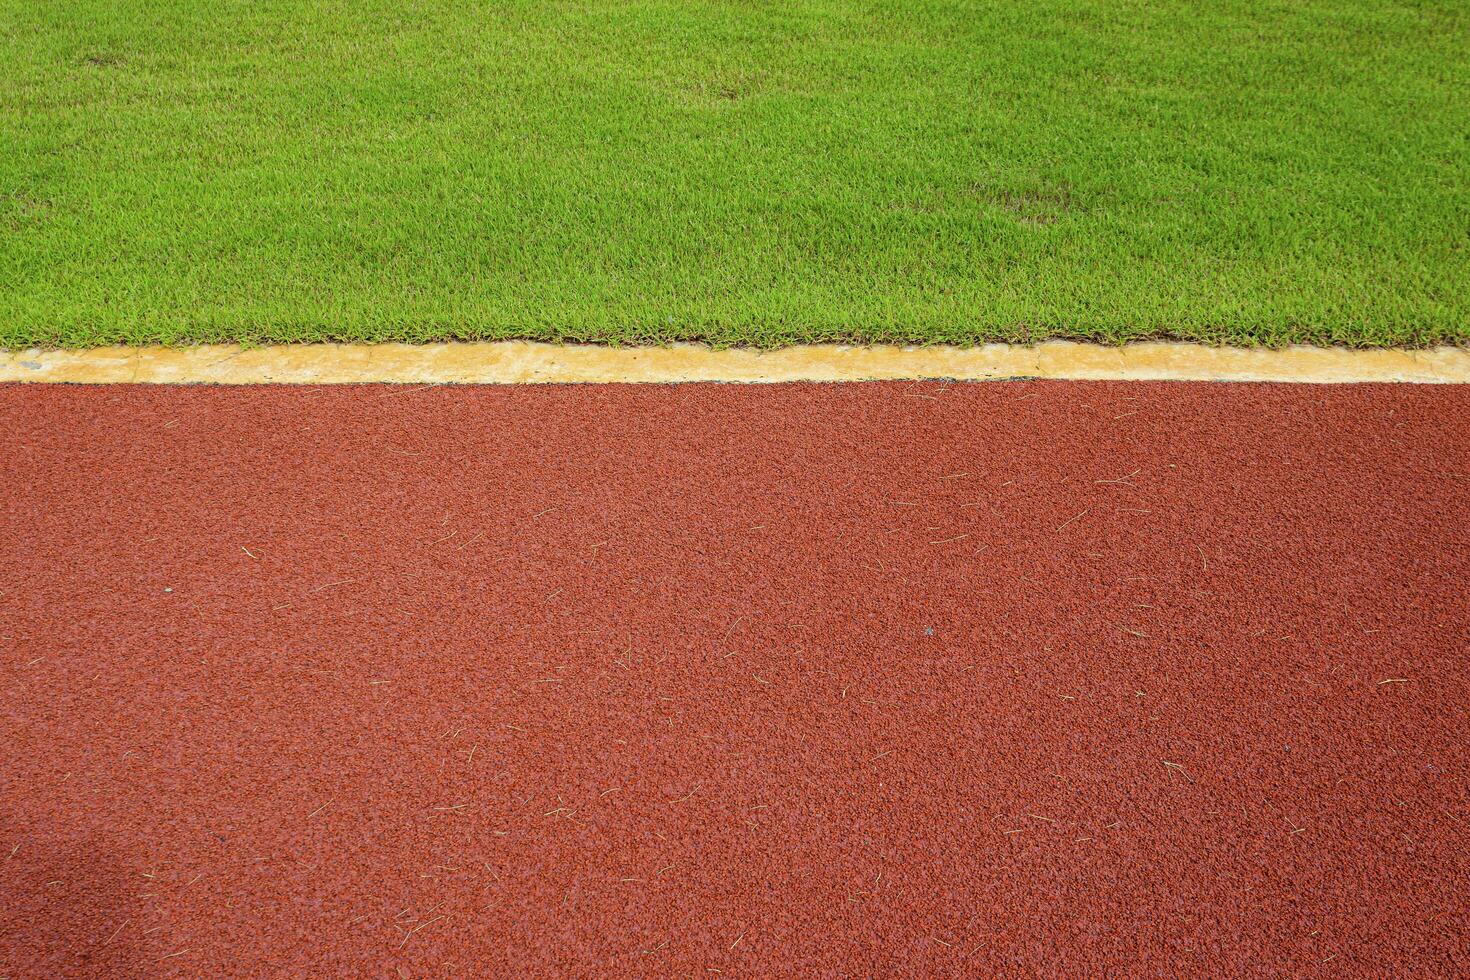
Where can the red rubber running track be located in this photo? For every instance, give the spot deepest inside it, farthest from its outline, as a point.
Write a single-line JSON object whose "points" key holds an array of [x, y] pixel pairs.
{"points": [[988, 679]]}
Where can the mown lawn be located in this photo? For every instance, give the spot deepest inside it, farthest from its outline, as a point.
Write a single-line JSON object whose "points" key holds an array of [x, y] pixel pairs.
{"points": [[739, 172]]}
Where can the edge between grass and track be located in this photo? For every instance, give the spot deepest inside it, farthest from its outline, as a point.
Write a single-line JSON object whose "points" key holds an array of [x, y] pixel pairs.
{"points": [[525, 362]]}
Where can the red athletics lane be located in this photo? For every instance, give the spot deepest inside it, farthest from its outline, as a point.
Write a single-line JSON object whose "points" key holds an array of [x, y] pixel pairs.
{"points": [[990, 679]]}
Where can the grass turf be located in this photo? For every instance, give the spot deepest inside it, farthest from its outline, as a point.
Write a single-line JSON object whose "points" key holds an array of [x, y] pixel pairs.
{"points": [[761, 173]]}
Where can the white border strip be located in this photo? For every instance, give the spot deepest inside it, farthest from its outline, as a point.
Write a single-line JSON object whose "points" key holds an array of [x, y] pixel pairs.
{"points": [[519, 362]]}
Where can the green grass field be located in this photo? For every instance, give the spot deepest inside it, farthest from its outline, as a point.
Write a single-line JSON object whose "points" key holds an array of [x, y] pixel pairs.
{"points": [[740, 172]]}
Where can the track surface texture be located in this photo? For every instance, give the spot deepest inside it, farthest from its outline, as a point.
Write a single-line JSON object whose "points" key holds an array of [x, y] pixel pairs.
{"points": [[1029, 678]]}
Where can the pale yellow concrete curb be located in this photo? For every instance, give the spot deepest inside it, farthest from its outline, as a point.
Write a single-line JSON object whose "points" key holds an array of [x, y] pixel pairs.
{"points": [[533, 363]]}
